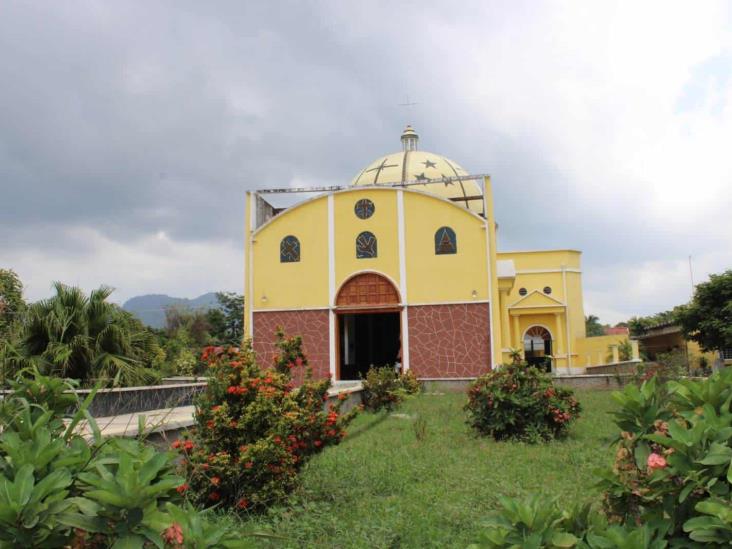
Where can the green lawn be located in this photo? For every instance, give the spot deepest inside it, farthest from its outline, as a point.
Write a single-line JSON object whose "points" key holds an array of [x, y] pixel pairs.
{"points": [[383, 488]]}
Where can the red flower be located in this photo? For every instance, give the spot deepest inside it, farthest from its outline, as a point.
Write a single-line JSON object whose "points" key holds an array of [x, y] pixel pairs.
{"points": [[242, 503], [231, 390], [188, 445], [210, 424], [175, 444], [214, 496], [318, 443], [248, 465], [173, 534], [298, 361], [182, 488]]}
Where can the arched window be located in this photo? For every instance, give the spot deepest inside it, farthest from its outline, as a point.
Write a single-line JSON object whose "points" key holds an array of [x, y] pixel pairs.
{"points": [[289, 250], [445, 241], [365, 245]]}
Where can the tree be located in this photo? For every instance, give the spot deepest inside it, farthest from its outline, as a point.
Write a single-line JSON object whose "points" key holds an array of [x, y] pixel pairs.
{"points": [[80, 337], [593, 327], [11, 302], [708, 318], [227, 323], [189, 324]]}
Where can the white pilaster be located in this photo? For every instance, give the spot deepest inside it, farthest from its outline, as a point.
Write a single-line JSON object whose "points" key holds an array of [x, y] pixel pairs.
{"points": [[403, 279], [331, 287]]}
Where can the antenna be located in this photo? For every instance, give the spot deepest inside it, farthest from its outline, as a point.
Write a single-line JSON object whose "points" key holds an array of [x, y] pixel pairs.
{"points": [[691, 278]]}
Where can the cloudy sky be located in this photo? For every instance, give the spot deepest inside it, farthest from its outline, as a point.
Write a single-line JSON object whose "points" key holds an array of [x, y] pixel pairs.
{"points": [[129, 131]]}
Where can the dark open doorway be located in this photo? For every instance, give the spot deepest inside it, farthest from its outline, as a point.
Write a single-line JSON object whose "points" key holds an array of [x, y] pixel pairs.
{"points": [[538, 348], [367, 339]]}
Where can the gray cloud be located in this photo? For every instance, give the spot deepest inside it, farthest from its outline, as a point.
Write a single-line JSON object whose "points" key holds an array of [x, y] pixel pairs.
{"points": [[137, 119]]}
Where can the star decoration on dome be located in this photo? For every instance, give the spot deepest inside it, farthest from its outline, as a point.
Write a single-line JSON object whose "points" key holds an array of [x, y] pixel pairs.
{"points": [[429, 164], [421, 177], [447, 182]]}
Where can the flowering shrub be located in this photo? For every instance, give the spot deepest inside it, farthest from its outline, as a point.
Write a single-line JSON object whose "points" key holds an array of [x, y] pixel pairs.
{"points": [[254, 430], [385, 388], [674, 458], [519, 402]]}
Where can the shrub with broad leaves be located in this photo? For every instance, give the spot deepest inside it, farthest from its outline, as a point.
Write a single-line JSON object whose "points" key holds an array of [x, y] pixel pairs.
{"points": [[540, 522], [254, 429], [518, 402], [674, 458], [58, 489], [385, 388]]}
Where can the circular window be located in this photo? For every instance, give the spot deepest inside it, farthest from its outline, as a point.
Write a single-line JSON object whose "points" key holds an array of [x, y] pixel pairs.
{"points": [[547, 290], [522, 291], [364, 208]]}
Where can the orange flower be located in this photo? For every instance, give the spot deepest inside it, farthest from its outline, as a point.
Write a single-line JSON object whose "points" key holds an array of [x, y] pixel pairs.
{"points": [[215, 481], [182, 488], [173, 534]]}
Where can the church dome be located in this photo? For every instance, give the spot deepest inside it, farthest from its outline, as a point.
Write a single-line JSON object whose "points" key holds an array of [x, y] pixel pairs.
{"points": [[411, 164]]}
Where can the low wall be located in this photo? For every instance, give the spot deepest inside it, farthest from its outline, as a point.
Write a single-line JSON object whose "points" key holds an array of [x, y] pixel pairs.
{"points": [[628, 367], [595, 381], [129, 400], [455, 385]]}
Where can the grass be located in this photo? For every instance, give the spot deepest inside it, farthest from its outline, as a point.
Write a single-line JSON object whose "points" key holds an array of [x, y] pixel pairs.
{"points": [[383, 487]]}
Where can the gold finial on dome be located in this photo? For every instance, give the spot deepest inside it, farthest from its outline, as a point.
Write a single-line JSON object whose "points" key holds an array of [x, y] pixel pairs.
{"points": [[409, 139]]}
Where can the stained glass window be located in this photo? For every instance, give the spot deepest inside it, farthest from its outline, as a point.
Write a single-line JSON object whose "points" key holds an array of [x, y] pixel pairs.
{"points": [[290, 250], [365, 245], [445, 241], [364, 208]]}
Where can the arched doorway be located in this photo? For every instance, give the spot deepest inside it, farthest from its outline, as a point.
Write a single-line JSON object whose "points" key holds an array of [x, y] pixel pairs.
{"points": [[368, 325], [538, 347]]}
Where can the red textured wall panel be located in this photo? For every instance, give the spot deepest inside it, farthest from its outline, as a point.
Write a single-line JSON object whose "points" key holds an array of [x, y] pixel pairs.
{"points": [[312, 326], [449, 340]]}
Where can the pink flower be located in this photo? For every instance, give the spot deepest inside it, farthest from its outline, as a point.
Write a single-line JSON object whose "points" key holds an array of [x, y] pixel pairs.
{"points": [[656, 461]]}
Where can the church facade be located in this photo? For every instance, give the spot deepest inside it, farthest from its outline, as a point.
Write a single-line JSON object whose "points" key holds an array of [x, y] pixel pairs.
{"points": [[402, 268]]}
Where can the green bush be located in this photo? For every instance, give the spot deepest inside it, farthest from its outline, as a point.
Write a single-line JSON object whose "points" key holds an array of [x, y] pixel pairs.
{"points": [[58, 489], [254, 430], [540, 522], [518, 402], [385, 388], [674, 458]]}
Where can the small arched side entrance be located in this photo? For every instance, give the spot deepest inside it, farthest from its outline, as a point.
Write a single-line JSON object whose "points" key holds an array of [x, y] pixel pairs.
{"points": [[538, 347], [368, 318]]}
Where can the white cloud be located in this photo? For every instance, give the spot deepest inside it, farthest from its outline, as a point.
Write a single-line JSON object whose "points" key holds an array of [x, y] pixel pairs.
{"points": [[150, 264]]}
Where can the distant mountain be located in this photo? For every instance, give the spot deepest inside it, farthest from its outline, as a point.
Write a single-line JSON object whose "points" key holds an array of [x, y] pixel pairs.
{"points": [[151, 308]]}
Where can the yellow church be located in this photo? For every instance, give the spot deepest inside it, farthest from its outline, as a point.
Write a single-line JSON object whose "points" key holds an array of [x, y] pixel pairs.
{"points": [[402, 268]]}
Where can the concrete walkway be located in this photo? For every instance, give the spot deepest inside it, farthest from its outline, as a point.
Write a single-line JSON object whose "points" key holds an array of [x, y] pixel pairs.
{"points": [[154, 421]]}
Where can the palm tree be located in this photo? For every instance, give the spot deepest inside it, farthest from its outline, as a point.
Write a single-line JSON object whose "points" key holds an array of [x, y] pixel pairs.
{"points": [[85, 338]]}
